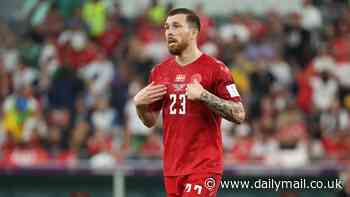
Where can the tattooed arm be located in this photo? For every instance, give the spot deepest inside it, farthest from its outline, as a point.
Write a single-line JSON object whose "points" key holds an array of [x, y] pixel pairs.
{"points": [[232, 111]]}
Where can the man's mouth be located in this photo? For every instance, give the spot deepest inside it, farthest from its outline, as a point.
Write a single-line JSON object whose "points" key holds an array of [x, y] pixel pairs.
{"points": [[171, 41]]}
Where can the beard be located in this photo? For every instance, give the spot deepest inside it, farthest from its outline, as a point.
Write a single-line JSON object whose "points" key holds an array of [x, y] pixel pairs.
{"points": [[177, 48]]}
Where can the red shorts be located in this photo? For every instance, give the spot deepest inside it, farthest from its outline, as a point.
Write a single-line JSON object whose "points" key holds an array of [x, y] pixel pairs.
{"points": [[193, 185]]}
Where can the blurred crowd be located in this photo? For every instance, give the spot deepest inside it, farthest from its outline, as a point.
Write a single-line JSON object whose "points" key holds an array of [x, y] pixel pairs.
{"points": [[69, 70]]}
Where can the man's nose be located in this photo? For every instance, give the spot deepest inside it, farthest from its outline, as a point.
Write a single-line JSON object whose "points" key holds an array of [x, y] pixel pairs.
{"points": [[169, 34], [171, 31]]}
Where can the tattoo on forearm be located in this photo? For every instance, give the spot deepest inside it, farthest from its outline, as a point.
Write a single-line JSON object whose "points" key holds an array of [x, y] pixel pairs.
{"points": [[227, 109]]}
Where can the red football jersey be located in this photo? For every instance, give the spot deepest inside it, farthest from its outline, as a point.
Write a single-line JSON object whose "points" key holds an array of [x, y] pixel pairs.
{"points": [[192, 136]]}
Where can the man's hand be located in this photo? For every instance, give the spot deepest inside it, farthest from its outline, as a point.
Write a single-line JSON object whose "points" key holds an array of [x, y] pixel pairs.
{"points": [[150, 94], [194, 90]]}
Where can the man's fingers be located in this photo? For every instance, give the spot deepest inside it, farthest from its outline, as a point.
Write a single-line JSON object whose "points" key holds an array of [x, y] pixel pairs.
{"points": [[157, 94], [156, 99], [150, 84], [153, 85], [156, 87], [153, 91]]}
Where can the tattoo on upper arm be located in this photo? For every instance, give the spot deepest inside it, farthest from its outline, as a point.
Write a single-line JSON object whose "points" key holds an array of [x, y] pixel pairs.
{"points": [[229, 110]]}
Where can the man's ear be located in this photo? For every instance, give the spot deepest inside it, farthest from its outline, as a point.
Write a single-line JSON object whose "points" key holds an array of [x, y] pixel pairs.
{"points": [[194, 32]]}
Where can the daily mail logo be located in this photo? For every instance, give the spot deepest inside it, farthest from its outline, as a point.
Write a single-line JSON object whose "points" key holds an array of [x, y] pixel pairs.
{"points": [[180, 78]]}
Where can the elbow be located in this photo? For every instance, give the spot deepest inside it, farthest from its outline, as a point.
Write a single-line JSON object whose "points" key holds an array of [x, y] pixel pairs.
{"points": [[148, 124], [239, 118], [148, 119], [238, 113]]}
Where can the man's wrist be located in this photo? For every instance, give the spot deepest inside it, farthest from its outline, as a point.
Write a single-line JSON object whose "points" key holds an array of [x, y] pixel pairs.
{"points": [[203, 94]]}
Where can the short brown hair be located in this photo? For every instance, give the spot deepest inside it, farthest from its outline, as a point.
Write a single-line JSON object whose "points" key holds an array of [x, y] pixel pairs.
{"points": [[191, 16]]}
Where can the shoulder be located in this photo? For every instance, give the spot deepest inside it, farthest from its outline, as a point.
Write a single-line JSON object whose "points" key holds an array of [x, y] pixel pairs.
{"points": [[216, 64]]}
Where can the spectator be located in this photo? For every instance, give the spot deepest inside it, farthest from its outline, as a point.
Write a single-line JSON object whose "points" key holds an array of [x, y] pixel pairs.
{"points": [[53, 22], [99, 142], [336, 147], [241, 150], [78, 138], [67, 8], [104, 118], [340, 46], [235, 30], [80, 50], [207, 25], [240, 71], [257, 28], [4, 83], [334, 119], [291, 133], [60, 124], [311, 16], [18, 109], [24, 156], [49, 58], [35, 128], [112, 37], [138, 131], [98, 75], [65, 82], [275, 33], [324, 88], [119, 90], [9, 53], [35, 11], [95, 15], [156, 12], [264, 148], [103, 160], [281, 72], [24, 75], [74, 142], [297, 48], [261, 82], [107, 131], [54, 143], [152, 148]]}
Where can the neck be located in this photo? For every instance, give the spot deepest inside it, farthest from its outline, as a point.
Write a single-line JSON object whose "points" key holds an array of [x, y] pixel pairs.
{"points": [[189, 55]]}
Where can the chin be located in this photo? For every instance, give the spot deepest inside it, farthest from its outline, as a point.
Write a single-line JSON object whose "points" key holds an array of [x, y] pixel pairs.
{"points": [[177, 49], [174, 51]]}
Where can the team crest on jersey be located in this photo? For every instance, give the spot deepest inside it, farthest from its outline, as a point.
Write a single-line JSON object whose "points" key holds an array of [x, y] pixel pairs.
{"points": [[179, 86], [180, 78]]}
